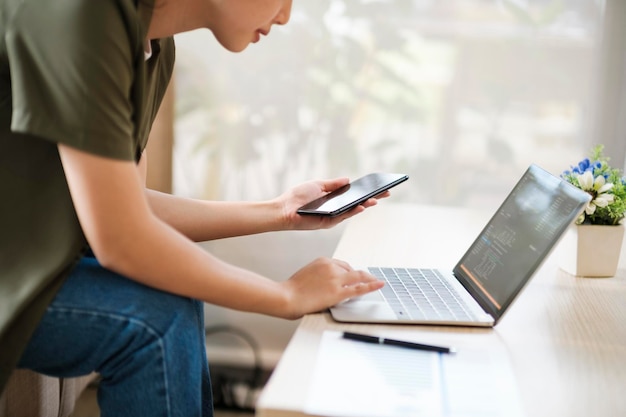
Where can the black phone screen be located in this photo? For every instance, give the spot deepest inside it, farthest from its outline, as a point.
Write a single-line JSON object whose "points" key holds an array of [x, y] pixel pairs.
{"points": [[353, 194]]}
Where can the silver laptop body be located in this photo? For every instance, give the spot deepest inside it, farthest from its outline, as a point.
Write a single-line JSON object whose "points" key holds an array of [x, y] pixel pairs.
{"points": [[491, 273]]}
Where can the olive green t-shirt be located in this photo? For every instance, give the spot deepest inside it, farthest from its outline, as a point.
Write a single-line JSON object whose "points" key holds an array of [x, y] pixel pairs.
{"points": [[71, 72]]}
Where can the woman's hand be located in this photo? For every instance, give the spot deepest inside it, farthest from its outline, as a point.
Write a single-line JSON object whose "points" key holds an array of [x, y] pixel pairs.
{"points": [[324, 283], [304, 193]]}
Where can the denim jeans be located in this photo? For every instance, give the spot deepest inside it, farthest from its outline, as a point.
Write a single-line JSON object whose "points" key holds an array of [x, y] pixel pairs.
{"points": [[147, 345]]}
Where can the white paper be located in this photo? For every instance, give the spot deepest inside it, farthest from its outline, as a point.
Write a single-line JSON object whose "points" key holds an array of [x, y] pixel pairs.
{"points": [[356, 379]]}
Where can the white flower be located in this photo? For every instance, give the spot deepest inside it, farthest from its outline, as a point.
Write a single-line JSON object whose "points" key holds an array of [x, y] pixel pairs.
{"points": [[598, 188]]}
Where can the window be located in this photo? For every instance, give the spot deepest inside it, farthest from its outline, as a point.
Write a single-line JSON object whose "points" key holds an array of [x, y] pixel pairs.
{"points": [[460, 95]]}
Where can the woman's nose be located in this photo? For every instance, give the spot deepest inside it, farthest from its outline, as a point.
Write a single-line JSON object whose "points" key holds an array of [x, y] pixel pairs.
{"points": [[285, 13]]}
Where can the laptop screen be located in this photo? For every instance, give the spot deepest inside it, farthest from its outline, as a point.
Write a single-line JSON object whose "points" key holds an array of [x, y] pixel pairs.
{"points": [[518, 237]]}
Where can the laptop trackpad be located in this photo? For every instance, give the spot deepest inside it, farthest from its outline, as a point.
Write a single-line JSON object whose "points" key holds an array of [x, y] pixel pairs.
{"points": [[364, 308]]}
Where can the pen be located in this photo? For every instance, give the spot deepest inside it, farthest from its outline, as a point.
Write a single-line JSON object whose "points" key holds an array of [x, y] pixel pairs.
{"points": [[384, 341]]}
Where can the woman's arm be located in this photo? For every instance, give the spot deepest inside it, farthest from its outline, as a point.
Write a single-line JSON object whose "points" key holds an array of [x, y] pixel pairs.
{"points": [[206, 220], [202, 220], [127, 237]]}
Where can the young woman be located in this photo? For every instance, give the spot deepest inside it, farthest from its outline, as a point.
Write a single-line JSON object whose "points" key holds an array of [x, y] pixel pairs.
{"points": [[97, 273]]}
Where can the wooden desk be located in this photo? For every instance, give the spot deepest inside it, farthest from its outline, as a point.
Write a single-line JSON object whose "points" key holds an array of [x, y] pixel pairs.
{"points": [[565, 336]]}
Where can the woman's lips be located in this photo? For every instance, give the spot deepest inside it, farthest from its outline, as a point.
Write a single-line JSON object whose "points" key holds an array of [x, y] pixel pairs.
{"points": [[258, 33]]}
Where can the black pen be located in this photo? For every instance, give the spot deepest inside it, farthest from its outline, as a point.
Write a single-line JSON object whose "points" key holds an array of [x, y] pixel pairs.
{"points": [[384, 341]]}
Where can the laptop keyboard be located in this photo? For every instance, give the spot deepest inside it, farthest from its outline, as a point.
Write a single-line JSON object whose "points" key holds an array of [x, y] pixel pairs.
{"points": [[421, 294]]}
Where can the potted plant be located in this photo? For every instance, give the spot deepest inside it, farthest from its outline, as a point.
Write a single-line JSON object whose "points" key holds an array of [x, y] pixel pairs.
{"points": [[595, 240]]}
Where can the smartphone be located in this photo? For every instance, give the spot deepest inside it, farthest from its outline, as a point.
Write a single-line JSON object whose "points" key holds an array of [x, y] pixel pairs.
{"points": [[351, 195]]}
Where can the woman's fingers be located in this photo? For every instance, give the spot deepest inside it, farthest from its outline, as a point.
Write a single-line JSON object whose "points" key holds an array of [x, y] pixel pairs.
{"points": [[360, 282]]}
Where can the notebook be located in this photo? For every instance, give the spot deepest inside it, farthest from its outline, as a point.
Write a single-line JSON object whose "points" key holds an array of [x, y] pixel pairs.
{"points": [[491, 273]]}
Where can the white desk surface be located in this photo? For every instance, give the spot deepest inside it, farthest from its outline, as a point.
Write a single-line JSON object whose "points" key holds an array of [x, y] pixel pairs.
{"points": [[565, 335]]}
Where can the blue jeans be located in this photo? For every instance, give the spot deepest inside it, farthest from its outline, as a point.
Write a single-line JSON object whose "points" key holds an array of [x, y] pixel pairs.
{"points": [[147, 345]]}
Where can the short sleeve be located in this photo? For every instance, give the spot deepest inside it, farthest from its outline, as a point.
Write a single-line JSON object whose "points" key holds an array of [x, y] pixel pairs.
{"points": [[72, 65]]}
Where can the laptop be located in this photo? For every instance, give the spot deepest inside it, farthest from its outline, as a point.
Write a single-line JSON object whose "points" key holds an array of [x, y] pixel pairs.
{"points": [[491, 273]]}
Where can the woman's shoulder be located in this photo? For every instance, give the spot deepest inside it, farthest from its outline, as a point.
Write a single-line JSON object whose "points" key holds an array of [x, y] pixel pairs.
{"points": [[71, 13]]}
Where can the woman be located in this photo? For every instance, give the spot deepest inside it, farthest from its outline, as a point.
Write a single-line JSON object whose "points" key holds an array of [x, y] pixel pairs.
{"points": [[97, 272]]}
